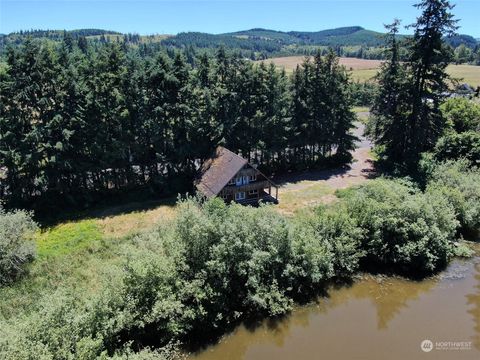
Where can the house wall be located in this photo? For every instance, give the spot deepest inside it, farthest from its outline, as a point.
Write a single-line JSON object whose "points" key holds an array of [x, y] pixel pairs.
{"points": [[246, 185]]}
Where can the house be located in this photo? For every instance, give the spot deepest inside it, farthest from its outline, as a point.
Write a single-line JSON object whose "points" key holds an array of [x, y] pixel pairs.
{"points": [[232, 178]]}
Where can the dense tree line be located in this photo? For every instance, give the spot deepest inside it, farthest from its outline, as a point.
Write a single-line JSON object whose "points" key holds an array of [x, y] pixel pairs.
{"points": [[80, 119]]}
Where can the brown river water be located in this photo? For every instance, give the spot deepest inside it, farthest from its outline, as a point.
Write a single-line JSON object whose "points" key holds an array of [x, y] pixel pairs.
{"points": [[375, 318]]}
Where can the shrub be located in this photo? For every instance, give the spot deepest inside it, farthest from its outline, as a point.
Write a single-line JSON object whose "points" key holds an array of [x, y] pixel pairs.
{"points": [[454, 146], [461, 186], [311, 265], [139, 308], [240, 253], [51, 332], [343, 237], [406, 231], [325, 246], [461, 114], [16, 243]]}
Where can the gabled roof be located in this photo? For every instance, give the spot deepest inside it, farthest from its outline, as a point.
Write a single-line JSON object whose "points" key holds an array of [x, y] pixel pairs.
{"points": [[217, 171]]}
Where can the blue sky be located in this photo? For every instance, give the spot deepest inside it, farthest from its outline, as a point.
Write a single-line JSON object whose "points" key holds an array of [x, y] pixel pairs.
{"points": [[171, 17]]}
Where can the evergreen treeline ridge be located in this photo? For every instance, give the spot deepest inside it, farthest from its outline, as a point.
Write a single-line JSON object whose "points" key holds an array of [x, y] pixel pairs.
{"points": [[353, 41]]}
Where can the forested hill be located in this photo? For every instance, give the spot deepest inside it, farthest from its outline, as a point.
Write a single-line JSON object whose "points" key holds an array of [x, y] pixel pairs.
{"points": [[344, 36], [258, 43], [257, 38]]}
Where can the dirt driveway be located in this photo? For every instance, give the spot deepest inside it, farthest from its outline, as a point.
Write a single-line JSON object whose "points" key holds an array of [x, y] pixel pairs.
{"points": [[315, 187]]}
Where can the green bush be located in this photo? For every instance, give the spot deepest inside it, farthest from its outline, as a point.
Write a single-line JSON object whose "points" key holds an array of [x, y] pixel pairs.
{"points": [[461, 114], [460, 184], [138, 308], [454, 146], [407, 232], [239, 253], [324, 246], [16, 243]]}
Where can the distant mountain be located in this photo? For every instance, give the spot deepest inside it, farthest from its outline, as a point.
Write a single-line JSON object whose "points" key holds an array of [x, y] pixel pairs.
{"points": [[265, 34], [467, 40], [352, 41], [344, 36]]}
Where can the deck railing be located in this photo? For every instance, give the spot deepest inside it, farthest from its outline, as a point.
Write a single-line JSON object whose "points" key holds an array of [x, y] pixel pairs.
{"points": [[254, 185], [264, 198]]}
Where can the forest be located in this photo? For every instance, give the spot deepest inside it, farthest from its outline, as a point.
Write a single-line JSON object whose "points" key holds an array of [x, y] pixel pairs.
{"points": [[78, 124], [84, 121]]}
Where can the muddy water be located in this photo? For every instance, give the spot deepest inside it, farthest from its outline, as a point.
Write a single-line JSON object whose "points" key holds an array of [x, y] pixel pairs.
{"points": [[373, 319]]}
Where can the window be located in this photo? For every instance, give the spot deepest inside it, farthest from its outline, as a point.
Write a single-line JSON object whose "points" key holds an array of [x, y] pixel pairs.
{"points": [[245, 179], [253, 192], [253, 177], [224, 196], [238, 181], [231, 182], [240, 195]]}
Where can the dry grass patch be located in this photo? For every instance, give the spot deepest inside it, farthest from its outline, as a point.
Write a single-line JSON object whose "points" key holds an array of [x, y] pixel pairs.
{"points": [[363, 75], [466, 73], [126, 224], [290, 62], [364, 70], [303, 195]]}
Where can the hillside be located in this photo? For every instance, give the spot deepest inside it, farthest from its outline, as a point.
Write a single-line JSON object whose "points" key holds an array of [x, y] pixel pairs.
{"points": [[344, 36], [265, 34], [257, 43]]}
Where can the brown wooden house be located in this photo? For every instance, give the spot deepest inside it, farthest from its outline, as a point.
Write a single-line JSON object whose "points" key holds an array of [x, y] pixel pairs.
{"points": [[232, 178]]}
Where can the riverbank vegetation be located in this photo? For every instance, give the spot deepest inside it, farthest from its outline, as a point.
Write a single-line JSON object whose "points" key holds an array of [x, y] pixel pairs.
{"points": [[213, 265], [17, 231]]}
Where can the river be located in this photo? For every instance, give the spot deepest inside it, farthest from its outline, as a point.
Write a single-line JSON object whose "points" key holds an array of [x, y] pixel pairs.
{"points": [[375, 318]]}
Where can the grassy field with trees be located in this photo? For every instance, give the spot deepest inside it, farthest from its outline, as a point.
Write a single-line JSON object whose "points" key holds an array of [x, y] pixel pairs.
{"points": [[82, 123]]}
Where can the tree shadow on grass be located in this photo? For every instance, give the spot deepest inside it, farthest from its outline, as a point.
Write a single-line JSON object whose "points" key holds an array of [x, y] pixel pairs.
{"points": [[108, 209], [326, 174]]}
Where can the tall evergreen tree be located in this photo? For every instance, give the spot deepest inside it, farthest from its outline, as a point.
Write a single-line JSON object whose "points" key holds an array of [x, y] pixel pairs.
{"points": [[427, 61], [388, 125], [407, 119]]}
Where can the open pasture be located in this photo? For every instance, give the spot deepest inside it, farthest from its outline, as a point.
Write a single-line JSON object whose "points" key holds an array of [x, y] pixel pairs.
{"points": [[364, 70]]}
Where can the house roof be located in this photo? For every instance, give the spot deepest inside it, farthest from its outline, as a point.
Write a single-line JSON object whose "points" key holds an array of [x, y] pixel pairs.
{"points": [[217, 171]]}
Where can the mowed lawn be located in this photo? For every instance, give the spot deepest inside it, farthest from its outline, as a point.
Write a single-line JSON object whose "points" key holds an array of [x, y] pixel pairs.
{"points": [[363, 70]]}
